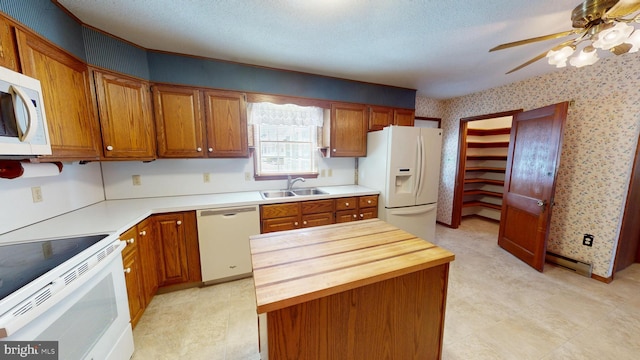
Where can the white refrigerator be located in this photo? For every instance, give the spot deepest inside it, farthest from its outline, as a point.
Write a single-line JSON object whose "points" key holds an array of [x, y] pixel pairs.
{"points": [[403, 163]]}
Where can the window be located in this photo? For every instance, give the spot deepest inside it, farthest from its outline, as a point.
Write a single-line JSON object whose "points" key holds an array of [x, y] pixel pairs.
{"points": [[286, 138]]}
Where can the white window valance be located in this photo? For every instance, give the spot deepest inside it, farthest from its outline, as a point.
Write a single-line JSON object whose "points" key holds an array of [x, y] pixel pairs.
{"points": [[287, 114]]}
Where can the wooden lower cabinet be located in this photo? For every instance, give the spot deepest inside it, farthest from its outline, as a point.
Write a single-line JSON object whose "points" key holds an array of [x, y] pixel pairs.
{"points": [[161, 250], [295, 215]]}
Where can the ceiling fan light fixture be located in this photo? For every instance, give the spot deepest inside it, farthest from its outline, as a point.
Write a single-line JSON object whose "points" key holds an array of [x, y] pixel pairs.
{"points": [[612, 36], [559, 57], [634, 40], [587, 56]]}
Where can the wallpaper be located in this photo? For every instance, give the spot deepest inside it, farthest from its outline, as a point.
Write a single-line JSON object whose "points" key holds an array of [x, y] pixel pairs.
{"points": [[600, 138]]}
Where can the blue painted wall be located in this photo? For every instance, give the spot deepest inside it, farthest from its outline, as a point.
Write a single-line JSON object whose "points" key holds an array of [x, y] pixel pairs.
{"points": [[107, 52]]}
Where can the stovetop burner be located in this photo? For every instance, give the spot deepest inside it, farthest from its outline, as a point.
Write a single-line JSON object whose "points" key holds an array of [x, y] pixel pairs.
{"points": [[22, 263]]}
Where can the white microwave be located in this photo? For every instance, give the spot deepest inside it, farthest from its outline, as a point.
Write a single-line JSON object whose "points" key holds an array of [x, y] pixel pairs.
{"points": [[23, 124]]}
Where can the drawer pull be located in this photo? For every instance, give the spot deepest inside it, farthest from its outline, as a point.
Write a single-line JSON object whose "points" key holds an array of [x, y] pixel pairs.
{"points": [[199, 149], [127, 270], [355, 216], [131, 241], [295, 223], [178, 222], [143, 232], [346, 204], [368, 201], [109, 148], [304, 222], [210, 149], [361, 215]]}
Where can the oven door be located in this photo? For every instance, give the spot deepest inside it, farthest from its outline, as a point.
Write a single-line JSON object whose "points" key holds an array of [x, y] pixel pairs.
{"points": [[90, 323]]}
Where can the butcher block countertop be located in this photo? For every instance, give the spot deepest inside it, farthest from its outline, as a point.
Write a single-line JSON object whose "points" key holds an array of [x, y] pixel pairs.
{"points": [[297, 266]]}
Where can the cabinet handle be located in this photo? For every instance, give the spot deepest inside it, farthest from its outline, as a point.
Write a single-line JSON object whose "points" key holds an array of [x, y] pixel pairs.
{"points": [[127, 270], [295, 223], [210, 149], [361, 216], [199, 149], [355, 216], [334, 150], [346, 204], [143, 232], [368, 201], [131, 241], [109, 148], [304, 222], [178, 222]]}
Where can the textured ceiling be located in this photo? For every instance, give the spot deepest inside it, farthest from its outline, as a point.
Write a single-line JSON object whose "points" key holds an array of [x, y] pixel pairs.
{"points": [[439, 48]]}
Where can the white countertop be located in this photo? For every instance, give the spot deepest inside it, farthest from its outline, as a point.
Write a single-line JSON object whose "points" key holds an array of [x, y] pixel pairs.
{"points": [[116, 216]]}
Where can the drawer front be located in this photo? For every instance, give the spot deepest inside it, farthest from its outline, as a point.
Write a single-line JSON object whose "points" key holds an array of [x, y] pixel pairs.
{"points": [[130, 237], [368, 201], [280, 224], [317, 219], [279, 210], [368, 213], [317, 206], [346, 203], [346, 216]]}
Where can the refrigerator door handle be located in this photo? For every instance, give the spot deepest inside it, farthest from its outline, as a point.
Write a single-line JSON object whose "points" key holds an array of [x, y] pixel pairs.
{"points": [[422, 165], [417, 173], [412, 210]]}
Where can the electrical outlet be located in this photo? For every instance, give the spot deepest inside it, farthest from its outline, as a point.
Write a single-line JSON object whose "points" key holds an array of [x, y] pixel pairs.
{"points": [[136, 180], [247, 176], [323, 173], [36, 194], [329, 172], [206, 177], [587, 240]]}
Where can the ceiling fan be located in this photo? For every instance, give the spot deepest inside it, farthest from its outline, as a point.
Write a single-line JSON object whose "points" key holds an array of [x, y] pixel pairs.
{"points": [[600, 24]]}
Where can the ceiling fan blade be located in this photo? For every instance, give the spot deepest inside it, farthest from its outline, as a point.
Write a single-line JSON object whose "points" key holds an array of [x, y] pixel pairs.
{"points": [[536, 39], [558, 47], [623, 8]]}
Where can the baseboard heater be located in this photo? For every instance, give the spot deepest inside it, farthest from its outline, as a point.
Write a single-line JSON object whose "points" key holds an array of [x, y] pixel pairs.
{"points": [[576, 266]]}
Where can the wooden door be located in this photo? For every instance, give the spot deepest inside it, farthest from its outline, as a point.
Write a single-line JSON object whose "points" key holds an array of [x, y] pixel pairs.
{"points": [[179, 117], [172, 264], [124, 106], [66, 90], [380, 117], [348, 130], [226, 118], [534, 157], [8, 46], [403, 117]]}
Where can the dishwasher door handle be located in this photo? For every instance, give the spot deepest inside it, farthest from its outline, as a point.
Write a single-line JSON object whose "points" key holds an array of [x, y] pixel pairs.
{"points": [[227, 211]]}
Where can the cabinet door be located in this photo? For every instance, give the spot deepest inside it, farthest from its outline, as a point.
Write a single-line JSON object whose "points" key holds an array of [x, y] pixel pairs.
{"points": [[348, 130], [403, 117], [318, 219], [173, 267], [148, 258], [66, 89], [134, 283], [179, 117], [8, 46], [379, 117], [125, 117], [226, 119]]}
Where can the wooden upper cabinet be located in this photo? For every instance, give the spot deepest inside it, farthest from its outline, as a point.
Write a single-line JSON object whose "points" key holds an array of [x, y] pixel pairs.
{"points": [[8, 46], [348, 130], [380, 117], [179, 116], [66, 89], [124, 105], [403, 117], [226, 119]]}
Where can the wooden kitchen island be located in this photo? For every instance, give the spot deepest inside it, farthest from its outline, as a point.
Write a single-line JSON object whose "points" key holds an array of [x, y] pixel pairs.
{"points": [[359, 290]]}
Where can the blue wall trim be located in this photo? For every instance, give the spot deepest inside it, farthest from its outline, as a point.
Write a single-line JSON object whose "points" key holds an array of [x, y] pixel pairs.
{"points": [[107, 52], [48, 20], [113, 54], [178, 69]]}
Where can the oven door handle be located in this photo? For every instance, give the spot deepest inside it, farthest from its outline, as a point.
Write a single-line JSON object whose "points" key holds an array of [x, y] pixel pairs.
{"points": [[55, 291]]}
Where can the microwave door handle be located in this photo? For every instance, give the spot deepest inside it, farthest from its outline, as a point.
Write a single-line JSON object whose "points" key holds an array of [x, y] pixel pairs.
{"points": [[32, 121]]}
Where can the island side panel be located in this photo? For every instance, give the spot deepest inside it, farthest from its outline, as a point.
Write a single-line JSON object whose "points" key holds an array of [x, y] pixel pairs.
{"points": [[399, 318]]}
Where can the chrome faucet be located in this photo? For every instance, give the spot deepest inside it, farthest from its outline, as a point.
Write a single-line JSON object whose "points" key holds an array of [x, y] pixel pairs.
{"points": [[290, 182]]}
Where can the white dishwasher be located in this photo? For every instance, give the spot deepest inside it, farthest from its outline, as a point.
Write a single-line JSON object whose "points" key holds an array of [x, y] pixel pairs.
{"points": [[223, 235]]}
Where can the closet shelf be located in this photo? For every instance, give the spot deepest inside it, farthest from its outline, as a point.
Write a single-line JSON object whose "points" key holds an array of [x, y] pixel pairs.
{"points": [[484, 181], [483, 192], [496, 144], [481, 204], [485, 132], [486, 157], [485, 169]]}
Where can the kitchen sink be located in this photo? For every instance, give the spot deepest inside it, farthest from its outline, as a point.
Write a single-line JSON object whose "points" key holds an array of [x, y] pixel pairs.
{"points": [[311, 191], [277, 194], [289, 193]]}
